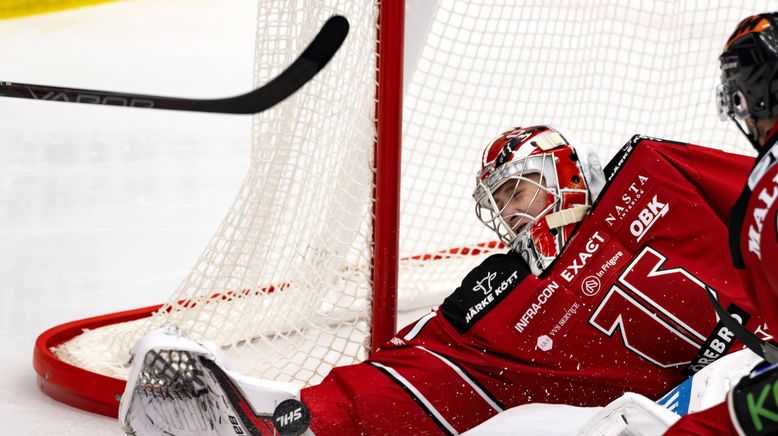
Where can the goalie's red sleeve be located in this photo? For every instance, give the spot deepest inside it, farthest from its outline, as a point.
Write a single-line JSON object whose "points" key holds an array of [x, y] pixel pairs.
{"points": [[622, 309], [717, 174]]}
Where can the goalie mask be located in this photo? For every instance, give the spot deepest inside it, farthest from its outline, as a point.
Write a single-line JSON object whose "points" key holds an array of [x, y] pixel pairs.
{"points": [[531, 191], [749, 74]]}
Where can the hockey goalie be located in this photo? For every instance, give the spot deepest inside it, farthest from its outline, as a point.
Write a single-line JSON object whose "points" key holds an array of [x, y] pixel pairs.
{"points": [[602, 291]]}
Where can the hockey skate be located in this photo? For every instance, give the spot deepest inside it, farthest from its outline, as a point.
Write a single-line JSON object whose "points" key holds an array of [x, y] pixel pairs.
{"points": [[178, 386]]}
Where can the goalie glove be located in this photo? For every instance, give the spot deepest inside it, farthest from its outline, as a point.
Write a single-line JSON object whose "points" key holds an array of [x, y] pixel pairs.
{"points": [[182, 387], [753, 402]]}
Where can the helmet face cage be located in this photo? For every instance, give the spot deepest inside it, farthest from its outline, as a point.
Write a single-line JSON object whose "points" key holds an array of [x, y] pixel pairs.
{"points": [[731, 102], [514, 226]]}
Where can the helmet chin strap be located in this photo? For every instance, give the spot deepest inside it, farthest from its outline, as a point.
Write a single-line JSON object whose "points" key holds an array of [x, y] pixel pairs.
{"points": [[753, 138], [566, 216]]}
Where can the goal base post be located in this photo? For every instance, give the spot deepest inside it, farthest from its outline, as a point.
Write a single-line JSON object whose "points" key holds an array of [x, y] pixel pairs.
{"points": [[75, 386]]}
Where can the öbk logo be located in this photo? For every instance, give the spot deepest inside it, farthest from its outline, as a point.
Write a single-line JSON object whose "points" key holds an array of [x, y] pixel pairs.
{"points": [[648, 217]]}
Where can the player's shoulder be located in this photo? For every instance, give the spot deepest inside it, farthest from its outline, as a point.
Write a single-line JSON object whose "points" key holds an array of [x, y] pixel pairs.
{"points": [[500, 265], [483, 288], [638, 145], [507, 259], [765, 166]]}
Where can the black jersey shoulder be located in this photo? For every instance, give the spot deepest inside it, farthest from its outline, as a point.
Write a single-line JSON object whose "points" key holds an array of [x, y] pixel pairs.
{"points": [[622, 156], [618, 161], [483, 289]]}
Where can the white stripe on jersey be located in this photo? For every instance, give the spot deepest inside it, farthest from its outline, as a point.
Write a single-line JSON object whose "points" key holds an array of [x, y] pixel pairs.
{"points": [[419, 325], [486, 397], [432, 410]]}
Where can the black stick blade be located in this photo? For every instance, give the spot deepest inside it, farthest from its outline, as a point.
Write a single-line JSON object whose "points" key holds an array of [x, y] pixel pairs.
{"points": [[318, 53], [303, 69]]}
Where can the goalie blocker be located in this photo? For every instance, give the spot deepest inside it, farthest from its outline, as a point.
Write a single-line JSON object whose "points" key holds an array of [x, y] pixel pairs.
{"points": [[183, 387]]}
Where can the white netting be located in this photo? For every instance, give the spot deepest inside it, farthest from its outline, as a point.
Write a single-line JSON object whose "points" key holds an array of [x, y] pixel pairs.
{"points": [[603, 70], [284, 284]]}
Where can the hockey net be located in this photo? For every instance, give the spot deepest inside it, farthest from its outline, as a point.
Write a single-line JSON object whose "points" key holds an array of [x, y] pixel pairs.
{"points": [[286, 285]]}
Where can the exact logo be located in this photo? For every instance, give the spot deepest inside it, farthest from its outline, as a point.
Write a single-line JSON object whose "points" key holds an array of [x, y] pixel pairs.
{"points": [[485, 284], [648, 217], [545, 343], [592, 246], [591, 286]]}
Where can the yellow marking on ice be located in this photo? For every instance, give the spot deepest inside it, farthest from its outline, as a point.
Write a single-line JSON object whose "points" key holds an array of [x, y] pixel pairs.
{"points": [[23, 8]]}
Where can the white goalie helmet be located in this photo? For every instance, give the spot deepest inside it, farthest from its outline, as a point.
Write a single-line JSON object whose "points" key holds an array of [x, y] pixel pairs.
{"points": [[532, 190]]}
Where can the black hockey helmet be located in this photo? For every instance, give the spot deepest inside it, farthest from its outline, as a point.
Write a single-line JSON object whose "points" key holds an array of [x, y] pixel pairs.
{"points": [[749, 72]]}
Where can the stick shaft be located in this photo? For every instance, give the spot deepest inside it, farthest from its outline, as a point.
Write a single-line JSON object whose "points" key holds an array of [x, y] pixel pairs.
{"points": [[301, 71]]}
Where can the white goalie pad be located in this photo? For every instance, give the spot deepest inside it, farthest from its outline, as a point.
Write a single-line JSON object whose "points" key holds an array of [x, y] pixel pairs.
{"points": [[536, 420], [634, 414], [180, 386], [631, 415], [643, 415], [710, 385]]}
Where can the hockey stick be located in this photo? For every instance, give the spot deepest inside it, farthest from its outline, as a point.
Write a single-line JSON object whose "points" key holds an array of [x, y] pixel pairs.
{"points": [[300, 72]]}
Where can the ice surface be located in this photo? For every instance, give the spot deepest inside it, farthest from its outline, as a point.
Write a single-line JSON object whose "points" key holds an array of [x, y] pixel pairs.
{"points": [[105, 209]]}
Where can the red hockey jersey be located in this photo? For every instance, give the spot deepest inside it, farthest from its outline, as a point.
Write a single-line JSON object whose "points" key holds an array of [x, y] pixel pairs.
{"points": [[623, 308], [754, 236]]}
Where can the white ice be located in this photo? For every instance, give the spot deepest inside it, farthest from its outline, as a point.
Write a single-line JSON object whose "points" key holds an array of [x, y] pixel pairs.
{"points": [[104, 209]]}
